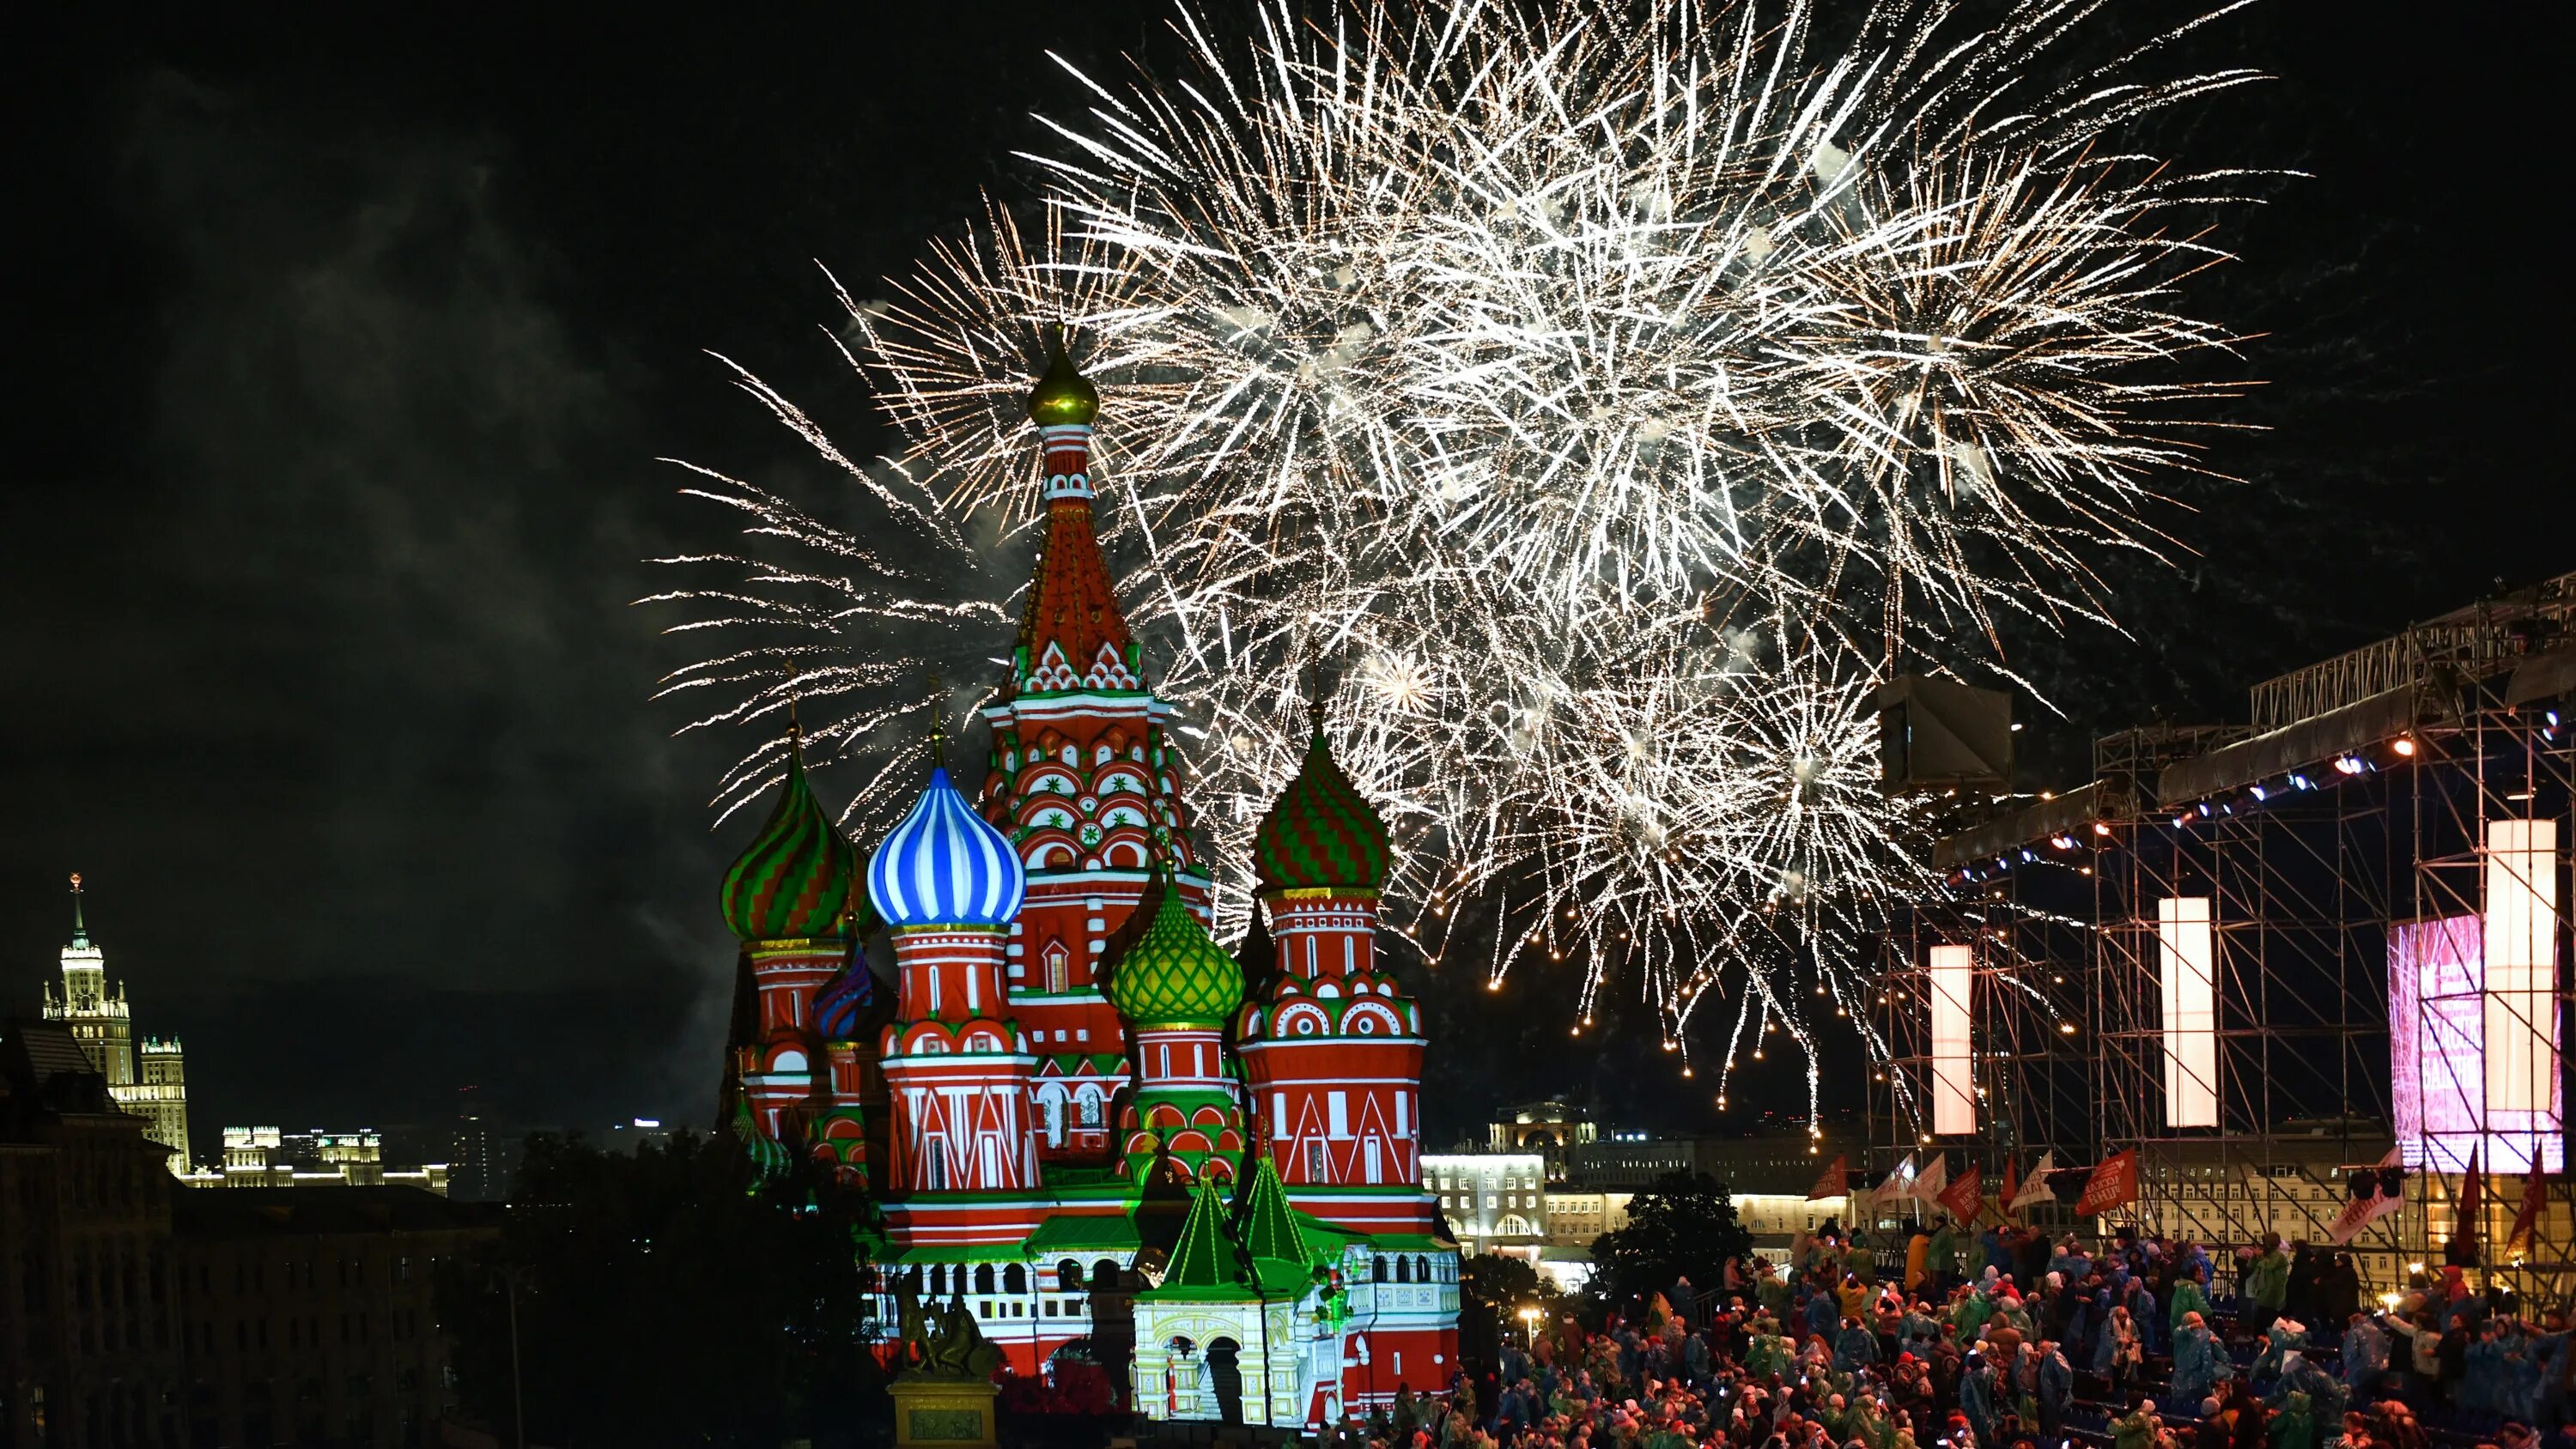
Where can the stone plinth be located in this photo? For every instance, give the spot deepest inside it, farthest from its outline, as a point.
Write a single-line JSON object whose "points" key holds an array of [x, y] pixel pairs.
{"points": [[943, 1413]]}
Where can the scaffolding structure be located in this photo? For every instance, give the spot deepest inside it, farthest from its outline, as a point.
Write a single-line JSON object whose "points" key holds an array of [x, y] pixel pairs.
{"points": [[2355, 816]]}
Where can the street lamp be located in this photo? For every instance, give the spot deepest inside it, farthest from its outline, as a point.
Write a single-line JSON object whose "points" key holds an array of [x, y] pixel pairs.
{"points": [[1529, 1326]]}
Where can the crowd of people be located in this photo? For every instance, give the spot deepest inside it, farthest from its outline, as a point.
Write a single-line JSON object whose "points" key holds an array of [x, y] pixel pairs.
{"points": [[2006, 1339]]}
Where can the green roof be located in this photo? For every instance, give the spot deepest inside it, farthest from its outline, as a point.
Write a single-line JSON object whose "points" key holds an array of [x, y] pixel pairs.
{"points": [[1204, 1259], [1265, 1222], [1086, 1234]]}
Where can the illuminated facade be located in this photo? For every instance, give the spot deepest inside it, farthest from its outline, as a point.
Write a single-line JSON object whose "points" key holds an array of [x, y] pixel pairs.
{"points": [[268, 1157], [1074, 1112], [152, 1082]]}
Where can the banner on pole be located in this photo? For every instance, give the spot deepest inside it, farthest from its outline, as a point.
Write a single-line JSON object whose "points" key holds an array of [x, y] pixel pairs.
{"points": [[2114, 1183]]}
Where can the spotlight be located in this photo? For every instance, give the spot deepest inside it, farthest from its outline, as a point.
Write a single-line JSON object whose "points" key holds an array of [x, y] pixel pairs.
{"points": [[2303, 782], [2101, 827], [2259, 795], [2347, 765], [2204, 809], [2404, 745]]}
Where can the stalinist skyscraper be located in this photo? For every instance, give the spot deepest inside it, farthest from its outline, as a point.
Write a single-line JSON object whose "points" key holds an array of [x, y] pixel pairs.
{"points": [[99, 1019]]}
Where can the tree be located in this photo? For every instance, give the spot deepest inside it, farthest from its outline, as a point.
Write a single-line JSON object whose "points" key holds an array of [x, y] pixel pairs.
{"points": [[1492, 1291], [1682, 1227], [659, 1301]]}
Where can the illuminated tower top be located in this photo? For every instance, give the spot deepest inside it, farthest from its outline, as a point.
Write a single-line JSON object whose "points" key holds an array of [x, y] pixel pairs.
{"points": [[1072, 637], [85, 968], [1322, 834], [793, 881], [1173, 974]]}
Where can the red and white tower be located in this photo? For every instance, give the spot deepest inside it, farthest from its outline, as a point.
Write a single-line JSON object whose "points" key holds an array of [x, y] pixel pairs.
{"points": [[787, 898], [962, 1169], [1333, 1052], [1087, 789]]}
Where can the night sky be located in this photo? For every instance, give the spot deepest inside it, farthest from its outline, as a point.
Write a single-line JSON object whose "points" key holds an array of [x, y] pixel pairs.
{"points": [[347, 338]]}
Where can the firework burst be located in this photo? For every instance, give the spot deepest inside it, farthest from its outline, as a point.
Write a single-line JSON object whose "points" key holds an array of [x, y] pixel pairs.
{"points": [[1615, 398]]}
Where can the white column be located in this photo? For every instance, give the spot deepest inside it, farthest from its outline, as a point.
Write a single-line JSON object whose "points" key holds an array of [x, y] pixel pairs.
{"points": [[1953, 974], [2187, 971]]}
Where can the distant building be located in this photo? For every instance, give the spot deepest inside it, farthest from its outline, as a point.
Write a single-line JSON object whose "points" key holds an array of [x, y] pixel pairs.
{"points": [[98, 1018], [1496, 1202], [135, 1312], [267, 1157], [89, 1324], [309, 1318], [1546, 1128], [474, 1174]]}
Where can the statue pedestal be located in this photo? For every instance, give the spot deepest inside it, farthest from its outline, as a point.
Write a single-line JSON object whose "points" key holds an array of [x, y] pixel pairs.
{"points": [[943, 1413]]}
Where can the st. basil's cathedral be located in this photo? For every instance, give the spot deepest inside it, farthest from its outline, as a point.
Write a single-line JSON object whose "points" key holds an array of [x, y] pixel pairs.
{"points": [[1074, 1113]]}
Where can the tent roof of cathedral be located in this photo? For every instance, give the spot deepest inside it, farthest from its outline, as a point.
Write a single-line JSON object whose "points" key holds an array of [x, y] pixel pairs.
{"points": [[1072, 608], [1322, 832], [793, 880], [1171, 973], [1206, 1262], [943, 865], [1265, 1222]]}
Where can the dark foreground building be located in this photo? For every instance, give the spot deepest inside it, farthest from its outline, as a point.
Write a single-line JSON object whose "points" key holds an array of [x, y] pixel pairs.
{"points": [[134, 1312]]}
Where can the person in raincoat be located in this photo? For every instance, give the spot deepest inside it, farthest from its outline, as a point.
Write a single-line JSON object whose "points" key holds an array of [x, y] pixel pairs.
{"points": [[1941, 1256], [2122, 1352], [2293, 1425], [2055, 1393], [2189, 1300], [2365, 1354], [2284, 1337], [1977, 1389], [2137, 1428], [1768, 1354], [2199, 1360], [1854, 1347], [2267, 1287]]}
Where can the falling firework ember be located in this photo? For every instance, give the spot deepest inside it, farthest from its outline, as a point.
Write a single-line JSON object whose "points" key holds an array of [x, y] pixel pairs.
{"points": [[1612, 401]]}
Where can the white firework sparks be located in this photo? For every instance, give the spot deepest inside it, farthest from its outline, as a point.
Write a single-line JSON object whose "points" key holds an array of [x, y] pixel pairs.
{"points": [[1615, 397]]}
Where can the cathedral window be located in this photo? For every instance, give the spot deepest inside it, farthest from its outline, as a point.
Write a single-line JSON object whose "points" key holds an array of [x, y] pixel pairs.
{"points": [[1315, 1168], [1015, 1279]]}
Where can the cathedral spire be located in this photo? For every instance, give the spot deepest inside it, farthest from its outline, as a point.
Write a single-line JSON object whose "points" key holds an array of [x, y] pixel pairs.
{"points": [[1072, 637]]}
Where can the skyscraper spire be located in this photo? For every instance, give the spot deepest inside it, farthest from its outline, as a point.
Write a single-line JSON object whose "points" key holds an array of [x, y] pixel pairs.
{"points": [[80, 925]]}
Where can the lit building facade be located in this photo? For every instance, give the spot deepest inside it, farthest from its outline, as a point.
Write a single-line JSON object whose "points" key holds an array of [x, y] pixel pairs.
{"points": [[151, 1083], [268, 1157], [1074, 1112], [1496, 1202]]}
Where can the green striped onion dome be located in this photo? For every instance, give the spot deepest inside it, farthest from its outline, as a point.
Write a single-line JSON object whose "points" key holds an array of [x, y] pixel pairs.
{"points": [[1322, 833], [793, 881], [1174, 974]]}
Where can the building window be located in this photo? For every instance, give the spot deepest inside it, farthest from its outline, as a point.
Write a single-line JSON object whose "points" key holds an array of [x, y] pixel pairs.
{"points": [[1315, 1170]]}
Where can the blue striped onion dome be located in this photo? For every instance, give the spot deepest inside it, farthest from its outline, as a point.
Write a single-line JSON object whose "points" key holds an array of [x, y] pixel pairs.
{"points": [[943, 866]]}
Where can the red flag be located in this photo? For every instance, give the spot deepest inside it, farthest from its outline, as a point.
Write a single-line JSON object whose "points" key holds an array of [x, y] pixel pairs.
{"points": [[1963, 1196], [2535, 1195], [1835, 1182], [2113, 1183], [2462, 1250], [2010, 1190]]}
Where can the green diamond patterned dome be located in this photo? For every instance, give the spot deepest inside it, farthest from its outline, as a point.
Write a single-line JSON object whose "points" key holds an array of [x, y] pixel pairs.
{"points": [[794, 880], [1322, 833], [1174, 974]]}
